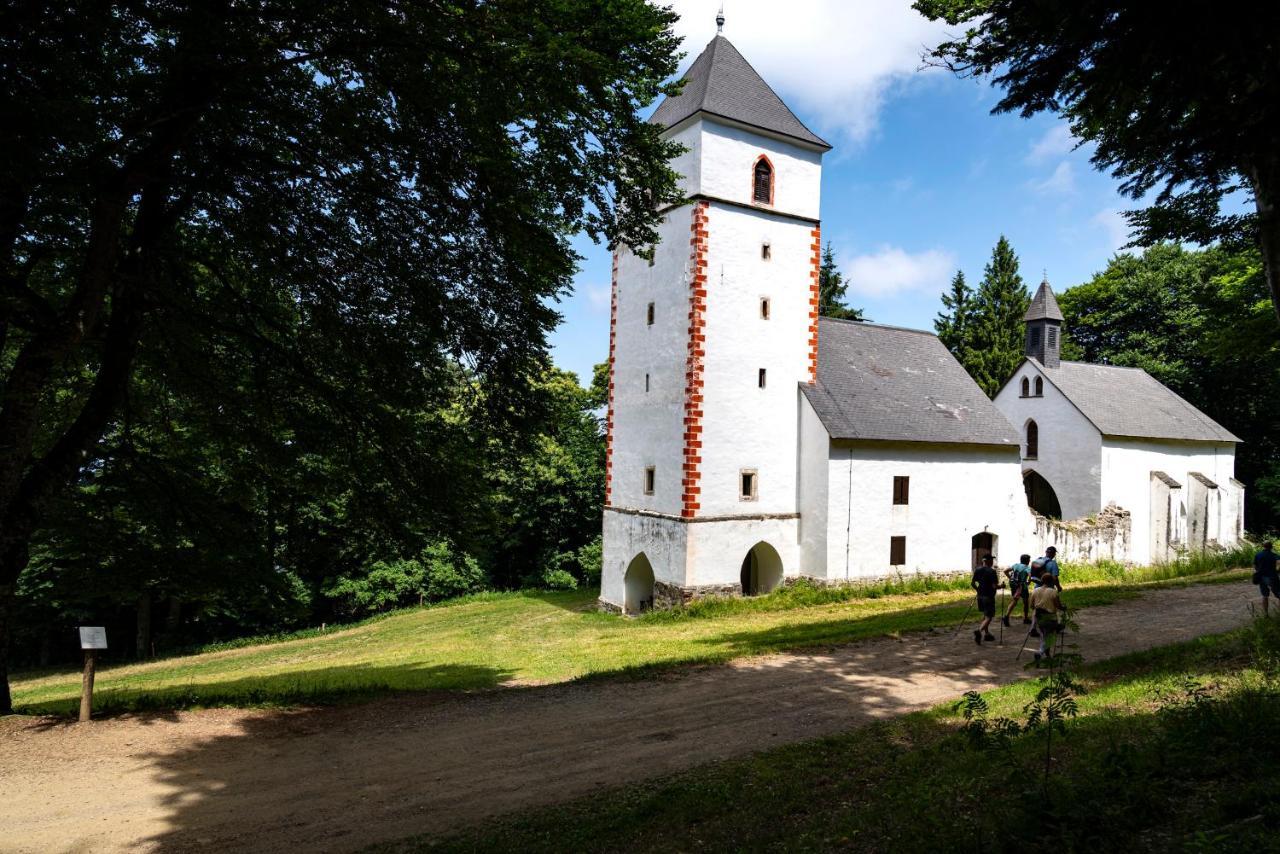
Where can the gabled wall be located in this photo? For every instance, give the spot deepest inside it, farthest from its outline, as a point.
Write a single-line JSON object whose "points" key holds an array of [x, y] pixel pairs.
{"points": [[1070, 453]]}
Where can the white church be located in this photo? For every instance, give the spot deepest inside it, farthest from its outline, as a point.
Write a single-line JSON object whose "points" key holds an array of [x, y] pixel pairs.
{"points": [[750, 441]]}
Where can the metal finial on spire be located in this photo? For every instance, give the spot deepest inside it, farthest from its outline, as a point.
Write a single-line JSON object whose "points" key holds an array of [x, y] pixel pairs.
{"points": [[720, 20]]}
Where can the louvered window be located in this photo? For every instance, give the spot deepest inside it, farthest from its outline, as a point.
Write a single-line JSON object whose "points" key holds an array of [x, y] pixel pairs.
{"points": [[763, 182]]}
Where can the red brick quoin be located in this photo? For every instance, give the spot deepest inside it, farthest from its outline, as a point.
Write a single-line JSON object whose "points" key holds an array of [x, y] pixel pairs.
{"points": [[692, 477], [814, 275], [608, 435]]}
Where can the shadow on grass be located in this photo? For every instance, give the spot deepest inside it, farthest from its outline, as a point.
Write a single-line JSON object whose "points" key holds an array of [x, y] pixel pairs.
{"points": [[298, 688]]}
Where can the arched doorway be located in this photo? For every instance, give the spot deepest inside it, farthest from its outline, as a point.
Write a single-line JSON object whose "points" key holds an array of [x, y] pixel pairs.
{"points": [[1040, 495], [761, 570], [980, 546], [638, 584]]}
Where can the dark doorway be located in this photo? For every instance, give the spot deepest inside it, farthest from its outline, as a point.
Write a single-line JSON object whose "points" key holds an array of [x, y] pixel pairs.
{"points": [[1040, 495], [761, 570], [982, 545]]}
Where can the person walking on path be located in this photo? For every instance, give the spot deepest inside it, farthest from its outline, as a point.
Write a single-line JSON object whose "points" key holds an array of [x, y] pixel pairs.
{"points": [[1266, 576], [1019, 576], [1047, 602], [985, 582], [1047, 565]]}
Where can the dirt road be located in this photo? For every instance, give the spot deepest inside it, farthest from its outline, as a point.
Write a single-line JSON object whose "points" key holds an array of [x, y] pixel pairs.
{"points": [[339, 778]]}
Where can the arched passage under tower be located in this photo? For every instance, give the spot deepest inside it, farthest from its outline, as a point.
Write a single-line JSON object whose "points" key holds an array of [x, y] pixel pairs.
{"points": [[638, 585]]}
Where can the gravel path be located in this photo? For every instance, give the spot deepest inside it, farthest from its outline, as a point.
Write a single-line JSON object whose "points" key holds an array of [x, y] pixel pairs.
{"points": [[336, 779]]}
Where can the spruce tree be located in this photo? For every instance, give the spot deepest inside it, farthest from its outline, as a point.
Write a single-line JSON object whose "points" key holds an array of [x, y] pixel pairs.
{"points": [[831, 288], [997, 332], [955, 323]]}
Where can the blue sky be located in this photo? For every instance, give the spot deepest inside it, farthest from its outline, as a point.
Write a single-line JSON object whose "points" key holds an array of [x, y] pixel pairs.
{"points": [[922, 179]]}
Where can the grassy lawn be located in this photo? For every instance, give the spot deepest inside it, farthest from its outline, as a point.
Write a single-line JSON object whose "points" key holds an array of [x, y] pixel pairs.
{"points": [[1172, 751], [499, 640]]}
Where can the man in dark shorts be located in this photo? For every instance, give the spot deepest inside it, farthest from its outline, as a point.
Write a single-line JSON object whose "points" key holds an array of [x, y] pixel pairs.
{"points": [[1019, 576], [985, 581], [1266, 576]]}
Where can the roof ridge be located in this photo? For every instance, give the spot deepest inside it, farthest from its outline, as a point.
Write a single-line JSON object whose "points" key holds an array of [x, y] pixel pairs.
{"points": [[871, 324]]}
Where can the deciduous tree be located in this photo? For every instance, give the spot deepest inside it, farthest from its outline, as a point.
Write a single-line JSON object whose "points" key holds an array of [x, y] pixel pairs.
{"points": [[1176, 97], [365, 194]]}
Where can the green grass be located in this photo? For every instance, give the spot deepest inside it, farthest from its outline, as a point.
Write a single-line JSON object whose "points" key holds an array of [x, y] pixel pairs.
{"points": [[514, 639], [1173, 750]]}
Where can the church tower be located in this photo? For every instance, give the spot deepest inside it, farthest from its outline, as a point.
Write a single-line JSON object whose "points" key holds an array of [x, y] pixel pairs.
{"points": [[1044, 327], [709, 344]]}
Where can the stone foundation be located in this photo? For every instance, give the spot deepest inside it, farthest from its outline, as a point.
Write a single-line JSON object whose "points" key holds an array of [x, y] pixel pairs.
{"points": [[673, 596]]}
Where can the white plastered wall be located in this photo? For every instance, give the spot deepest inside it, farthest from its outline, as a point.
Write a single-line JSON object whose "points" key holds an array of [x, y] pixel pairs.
{"points": [[663, 542], [1070, 452], [814, 490], [1126, 471], [956, 491], [727, 159]]}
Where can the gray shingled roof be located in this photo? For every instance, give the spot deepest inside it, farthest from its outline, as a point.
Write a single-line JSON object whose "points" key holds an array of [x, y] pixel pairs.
{"points": [[724, 84], [1044, 305], [1131, 402], [884, 383]]}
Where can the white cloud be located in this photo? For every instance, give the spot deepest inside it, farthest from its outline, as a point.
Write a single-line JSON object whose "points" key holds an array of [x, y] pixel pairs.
{"points": [[832, 61], [1061, 183], [1112, 221], [1056, 143], [891, 270], [599, 297]]}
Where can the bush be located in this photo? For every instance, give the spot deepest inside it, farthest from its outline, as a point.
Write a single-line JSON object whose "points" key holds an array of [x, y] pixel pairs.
{"points": [[438, 573]]}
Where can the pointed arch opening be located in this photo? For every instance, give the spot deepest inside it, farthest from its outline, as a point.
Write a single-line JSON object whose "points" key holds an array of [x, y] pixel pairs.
{"points": [[638, 585], [761, 570], [1026, 387], [1031, 451], [762, 181], [1040, 495], [1039, 386]]}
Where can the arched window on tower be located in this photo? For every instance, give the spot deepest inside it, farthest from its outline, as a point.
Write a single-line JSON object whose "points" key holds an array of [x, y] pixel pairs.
{"points": [[762, 182], [1039, 386], [1033, 441], [1026, 387]]}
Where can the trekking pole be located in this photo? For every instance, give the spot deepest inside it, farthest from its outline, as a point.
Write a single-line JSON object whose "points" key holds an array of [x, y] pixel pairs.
{"points": [[972, 607], [1002, 616]]}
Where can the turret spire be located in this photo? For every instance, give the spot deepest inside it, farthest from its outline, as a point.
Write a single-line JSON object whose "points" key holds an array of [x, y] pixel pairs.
{"points": [[720, 20]]}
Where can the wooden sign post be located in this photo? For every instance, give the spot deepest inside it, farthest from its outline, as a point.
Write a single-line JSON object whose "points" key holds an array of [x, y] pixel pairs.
{"points": [[92, 639]]}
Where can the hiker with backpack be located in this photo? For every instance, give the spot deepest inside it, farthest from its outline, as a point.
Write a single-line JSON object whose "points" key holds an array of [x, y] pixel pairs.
{"points": [[985, 582], [1019, 576], [1266, 576], [1046, 565], [1051, 614]]}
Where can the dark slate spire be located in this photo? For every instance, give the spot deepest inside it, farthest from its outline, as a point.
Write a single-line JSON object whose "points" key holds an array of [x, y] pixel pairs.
{"points": [[1044, 327], [1043, 305], [720, 82]]}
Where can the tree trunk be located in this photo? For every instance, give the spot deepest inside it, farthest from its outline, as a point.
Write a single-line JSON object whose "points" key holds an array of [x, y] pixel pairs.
{"points": [[6, 608], [1265, 178], [174, 616], [142, 640]]}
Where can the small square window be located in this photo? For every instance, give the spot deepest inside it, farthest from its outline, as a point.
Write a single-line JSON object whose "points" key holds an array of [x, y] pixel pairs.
{"points": [[897, 551], [901, 489], [761, 378], [764, 308], [766, 251], [748, 482], [649, 315], [649, 479]]}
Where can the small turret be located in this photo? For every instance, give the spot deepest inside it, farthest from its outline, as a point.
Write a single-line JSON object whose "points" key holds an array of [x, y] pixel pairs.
{"points": [[1044, 327]]}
